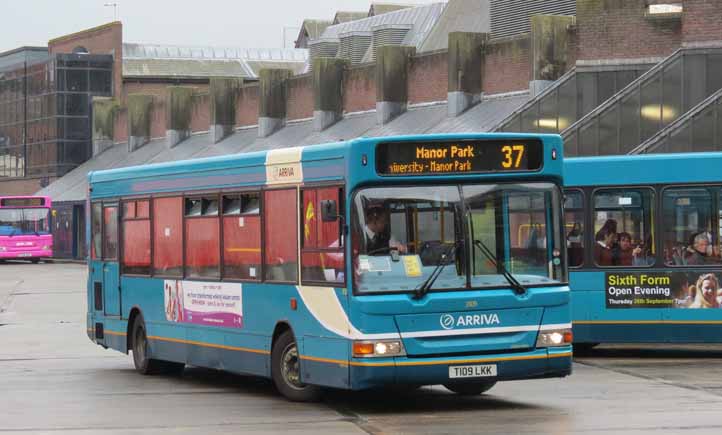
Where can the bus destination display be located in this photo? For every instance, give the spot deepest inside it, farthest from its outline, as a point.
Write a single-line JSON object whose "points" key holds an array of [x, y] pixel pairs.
{"points": [[458, 157], [22, 202]]}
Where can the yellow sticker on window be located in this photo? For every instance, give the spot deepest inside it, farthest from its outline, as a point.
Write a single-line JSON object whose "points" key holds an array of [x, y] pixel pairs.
{"points": [[412, 265]]}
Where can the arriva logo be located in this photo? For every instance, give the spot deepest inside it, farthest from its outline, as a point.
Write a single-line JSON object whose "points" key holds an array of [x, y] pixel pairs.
{"points": [[448, 321]]}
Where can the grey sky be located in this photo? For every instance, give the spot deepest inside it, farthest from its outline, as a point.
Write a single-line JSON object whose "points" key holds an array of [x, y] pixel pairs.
{"points": [[241, 23]]}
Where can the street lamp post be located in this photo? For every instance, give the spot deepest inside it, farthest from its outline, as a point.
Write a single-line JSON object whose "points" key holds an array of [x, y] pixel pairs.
{"points": [[115, 10]]}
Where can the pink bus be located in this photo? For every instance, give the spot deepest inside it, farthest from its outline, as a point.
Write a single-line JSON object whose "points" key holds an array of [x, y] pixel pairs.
{"points": [[25, 228]]}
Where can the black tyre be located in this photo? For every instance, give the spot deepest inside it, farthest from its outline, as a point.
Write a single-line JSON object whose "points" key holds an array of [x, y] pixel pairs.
{"points": [[35, 260], [470, 388], [583, 348], [143, 364], [286, 371]]}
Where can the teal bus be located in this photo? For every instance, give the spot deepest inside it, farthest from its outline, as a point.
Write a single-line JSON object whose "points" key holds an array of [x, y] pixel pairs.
{"points": [[409, 261], [643, 242]]}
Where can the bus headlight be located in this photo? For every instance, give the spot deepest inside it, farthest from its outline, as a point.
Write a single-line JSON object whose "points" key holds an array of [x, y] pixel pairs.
{"points": [[379, 348], [3, 249], [47, 248], [554, 337]]}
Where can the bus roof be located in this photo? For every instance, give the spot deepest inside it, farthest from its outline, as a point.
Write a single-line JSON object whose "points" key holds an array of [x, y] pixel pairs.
{"points": [[643, 169], [312, 163]]}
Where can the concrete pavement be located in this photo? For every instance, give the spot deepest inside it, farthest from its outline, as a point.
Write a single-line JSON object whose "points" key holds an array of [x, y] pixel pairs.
{"points": [[54, 380]]}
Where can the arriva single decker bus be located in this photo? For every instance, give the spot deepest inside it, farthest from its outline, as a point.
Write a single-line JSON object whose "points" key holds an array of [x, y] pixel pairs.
{"points": [[407, 260], [25, 228], [643, 240]]}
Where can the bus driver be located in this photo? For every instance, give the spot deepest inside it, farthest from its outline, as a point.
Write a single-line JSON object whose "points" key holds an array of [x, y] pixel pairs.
{"points": [[377, 230]]}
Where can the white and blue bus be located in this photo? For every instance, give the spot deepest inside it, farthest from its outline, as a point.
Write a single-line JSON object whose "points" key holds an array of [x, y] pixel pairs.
{"points": [[409, 260], [643, 240]]}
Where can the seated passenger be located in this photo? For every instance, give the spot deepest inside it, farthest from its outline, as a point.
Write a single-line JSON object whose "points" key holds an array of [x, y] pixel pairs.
{"points": [[605, 239], [628, 256], [700, 253]]}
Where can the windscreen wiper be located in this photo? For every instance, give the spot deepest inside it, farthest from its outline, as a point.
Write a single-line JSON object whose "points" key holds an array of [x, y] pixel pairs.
{"points": [[515, 284], [426, 285]]}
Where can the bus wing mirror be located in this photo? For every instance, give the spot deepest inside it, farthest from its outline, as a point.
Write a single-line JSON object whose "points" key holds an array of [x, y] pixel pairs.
{"points": [[329, 211]]}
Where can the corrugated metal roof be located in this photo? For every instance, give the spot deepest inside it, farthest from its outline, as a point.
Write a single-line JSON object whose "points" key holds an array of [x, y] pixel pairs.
{"points": [[314, 28], [152, 60], [186, 68], [426, 119], [157, 51], [346, 16], [485, 116], [459, 16], [422, 19], [385, 8]]}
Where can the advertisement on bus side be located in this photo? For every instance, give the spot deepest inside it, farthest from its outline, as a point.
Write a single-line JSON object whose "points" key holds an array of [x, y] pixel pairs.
{"points": [[699, 289], [203, 303]]}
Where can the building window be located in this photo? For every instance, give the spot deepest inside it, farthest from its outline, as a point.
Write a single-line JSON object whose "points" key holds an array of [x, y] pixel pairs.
{"points": [[280, 211], [242, 236], [202, 237], [168, 236], [322, 256], [136, 237]]}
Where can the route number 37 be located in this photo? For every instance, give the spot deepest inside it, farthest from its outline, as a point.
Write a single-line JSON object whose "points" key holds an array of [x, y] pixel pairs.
{"points": [[512, 156]]}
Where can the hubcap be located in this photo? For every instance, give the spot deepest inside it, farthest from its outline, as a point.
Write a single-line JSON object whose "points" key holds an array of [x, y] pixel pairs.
{"points": [[290, 367]]}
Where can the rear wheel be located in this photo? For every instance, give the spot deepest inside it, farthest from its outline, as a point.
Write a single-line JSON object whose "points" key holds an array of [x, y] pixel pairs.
{"points": [[286, 371], [470, 388], [143, 364], [35, 260]]}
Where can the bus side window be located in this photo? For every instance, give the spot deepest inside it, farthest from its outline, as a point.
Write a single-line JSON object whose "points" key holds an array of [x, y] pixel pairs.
{"points": [[136, 237], [322, 259], [96, 219], [202, 238], [690, 231], [574, 226], [168, 236], [110, 233], [623, 227], [280, 213], [242, 236]]}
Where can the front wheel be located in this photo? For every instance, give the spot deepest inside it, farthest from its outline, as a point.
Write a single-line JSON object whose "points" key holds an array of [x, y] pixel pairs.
{"points": [[286, 371], [470, 388]]}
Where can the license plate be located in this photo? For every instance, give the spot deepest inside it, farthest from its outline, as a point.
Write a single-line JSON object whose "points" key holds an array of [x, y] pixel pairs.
{"points": [[25, 254], [477, 371]]}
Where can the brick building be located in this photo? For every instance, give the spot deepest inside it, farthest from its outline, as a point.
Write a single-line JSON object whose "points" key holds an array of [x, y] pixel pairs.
{"points": [[611, 76]]}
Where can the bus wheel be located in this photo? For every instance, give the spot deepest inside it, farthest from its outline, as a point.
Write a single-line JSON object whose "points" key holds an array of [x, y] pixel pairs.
{"points": [[143, 364], [286, 371], [35, 260], [470, 388], [583, 348]]}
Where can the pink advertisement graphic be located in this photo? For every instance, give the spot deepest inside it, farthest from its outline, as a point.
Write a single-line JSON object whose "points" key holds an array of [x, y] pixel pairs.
{"points": [[201, 303]]}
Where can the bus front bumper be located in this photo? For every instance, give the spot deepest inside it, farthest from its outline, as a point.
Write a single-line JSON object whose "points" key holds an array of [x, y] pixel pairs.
{"points": [[25, 254], [550, 362]]}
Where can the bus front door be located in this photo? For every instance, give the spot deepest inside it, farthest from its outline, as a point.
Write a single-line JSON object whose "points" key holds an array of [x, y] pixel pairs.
{"points": [[110, 267]]}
